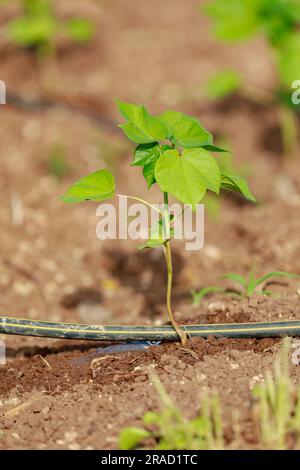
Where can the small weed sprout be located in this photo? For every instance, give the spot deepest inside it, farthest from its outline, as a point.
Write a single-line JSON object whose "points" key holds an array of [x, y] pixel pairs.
{"points": [[277, 407], [204, 292], [278, 21], [38, 27], [174, 152], [172, 431], [275, 410], [249, 285]]}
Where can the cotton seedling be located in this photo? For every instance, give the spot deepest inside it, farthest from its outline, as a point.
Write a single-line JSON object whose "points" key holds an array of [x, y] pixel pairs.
{"points": [[172, 431], [278, 21], [250, 284], [37, 27], [174, 151]]}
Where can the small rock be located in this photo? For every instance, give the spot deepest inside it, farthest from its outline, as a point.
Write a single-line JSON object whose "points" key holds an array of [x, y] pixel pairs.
{"points": [[255, 380], [70, 436], [216, 307], [234, 365]]}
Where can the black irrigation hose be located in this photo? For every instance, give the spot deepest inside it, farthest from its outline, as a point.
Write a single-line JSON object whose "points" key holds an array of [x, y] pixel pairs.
{"points": [[17, 326], [40, 104]]}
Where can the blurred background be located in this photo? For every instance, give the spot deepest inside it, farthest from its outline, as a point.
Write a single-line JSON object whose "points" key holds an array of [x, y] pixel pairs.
{"points": [[63, 62]]}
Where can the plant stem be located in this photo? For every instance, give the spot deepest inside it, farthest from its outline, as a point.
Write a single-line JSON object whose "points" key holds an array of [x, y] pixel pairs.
{"points": [[168, 255], [141, 200], [288, 126]]}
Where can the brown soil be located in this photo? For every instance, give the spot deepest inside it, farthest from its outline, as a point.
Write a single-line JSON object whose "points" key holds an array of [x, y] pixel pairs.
{"points": [[53, 267]]}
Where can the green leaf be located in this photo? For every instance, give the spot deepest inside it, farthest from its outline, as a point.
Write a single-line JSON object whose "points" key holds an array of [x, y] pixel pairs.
{"points": [[145, 153], [236, 278], [272, 274], [184, 130], [214, 148], [236, 183], [223, 84], [131, 437], [187, 176], [169, 119], [149, 173], [80, 30], [141, 127], [152, 243], [159, 234], [97, 186], [251, 283]]}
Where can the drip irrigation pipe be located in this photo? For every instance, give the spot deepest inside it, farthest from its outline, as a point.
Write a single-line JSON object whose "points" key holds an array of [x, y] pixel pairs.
{"points": [[26, 327], [40, 104]]}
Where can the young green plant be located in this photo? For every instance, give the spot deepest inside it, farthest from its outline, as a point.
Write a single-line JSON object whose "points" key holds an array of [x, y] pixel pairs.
{"points": [[174, 152], [277, 406], [278, 21], [249, 285], [172, 431], [37, 27]]}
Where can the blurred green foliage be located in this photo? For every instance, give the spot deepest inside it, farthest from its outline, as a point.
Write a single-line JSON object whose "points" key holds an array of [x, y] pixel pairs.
{"points": [[57, 163], [172, 431], [277, 20], [222, 84], [38, 27]]}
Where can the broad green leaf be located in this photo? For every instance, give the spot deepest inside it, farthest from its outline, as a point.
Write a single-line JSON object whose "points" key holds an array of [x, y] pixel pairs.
{"points": [[145, 153], [234, 20], [134, 134], [184, 130], [97, 186], [80, 30], [190, 134], [141, 127], [187, 176], [169, 119], [223, 84], [236, 183], [131, 437], [236, 278], [272, 274]]}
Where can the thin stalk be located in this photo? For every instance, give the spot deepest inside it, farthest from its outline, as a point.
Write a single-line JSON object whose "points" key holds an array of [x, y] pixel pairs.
{"points": [[143, 201], [168, 255], [288, 124]]}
